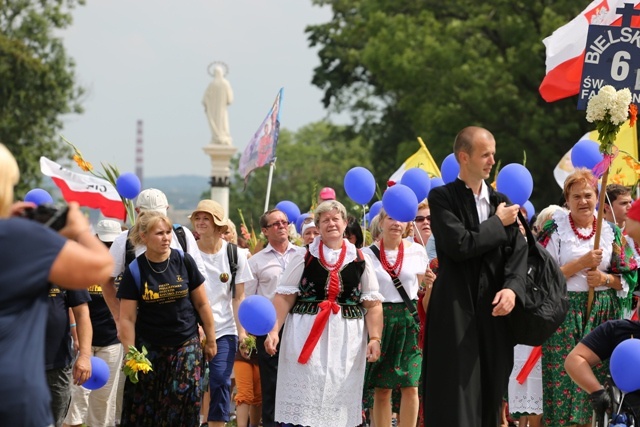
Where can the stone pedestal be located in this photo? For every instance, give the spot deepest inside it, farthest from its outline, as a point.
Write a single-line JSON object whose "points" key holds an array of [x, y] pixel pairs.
{"points": [[220, 172]]}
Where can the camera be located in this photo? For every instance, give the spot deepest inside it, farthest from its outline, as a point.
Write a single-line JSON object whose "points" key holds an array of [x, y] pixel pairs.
{"points": [[50, 215]]}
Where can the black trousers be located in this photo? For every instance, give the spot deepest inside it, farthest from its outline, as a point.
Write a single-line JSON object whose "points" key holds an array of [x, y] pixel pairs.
{"points": [[268, 376]]}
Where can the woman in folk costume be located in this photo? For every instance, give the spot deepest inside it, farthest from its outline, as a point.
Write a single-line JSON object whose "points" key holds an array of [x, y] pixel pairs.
{"points": [[401, 358], [329, 297], [569, 238]]}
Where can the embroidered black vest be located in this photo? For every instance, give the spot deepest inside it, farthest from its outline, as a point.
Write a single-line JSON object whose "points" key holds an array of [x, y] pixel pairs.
{"points": [[315, 281]]}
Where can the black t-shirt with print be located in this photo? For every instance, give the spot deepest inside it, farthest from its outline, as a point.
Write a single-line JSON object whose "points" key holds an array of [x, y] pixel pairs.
{"points": [[604, 339], [166, 316], [58, 352]]}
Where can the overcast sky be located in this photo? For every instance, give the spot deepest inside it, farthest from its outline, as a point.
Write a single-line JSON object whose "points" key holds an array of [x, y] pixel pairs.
{"points": [[148, 59]]}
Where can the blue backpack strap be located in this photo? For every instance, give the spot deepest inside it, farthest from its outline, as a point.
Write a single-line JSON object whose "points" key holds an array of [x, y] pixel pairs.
{"points": [[135, 272]]}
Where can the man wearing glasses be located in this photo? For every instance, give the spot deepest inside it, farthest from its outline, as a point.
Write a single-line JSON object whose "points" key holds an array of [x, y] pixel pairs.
{"points": [[267, 267]]}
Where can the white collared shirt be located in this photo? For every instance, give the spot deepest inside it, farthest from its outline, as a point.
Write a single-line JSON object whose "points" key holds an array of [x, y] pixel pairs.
{"points": [[267, 267], [483, 206]]}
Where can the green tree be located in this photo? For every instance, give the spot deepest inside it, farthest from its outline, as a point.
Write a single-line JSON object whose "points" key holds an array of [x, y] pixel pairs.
{"points": [[37, 82], [317, 155], [412, 68]]}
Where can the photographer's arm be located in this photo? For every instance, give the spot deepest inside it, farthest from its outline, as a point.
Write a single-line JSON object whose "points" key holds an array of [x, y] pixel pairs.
{"points": [[83, 260]]}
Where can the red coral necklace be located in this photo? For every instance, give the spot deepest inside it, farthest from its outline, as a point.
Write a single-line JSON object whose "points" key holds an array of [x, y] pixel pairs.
{"points": [[394, 269], [578, 234]]}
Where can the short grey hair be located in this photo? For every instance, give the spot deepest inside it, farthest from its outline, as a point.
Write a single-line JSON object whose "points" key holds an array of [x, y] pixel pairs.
{"points": [[328, 206]]}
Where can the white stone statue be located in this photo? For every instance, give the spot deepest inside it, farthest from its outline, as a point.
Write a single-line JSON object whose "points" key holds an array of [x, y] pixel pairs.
{"points": [[216, 99]]}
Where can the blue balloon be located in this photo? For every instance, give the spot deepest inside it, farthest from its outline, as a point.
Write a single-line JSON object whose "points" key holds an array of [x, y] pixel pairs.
{"points": [[400, 203], [624, 363], [128, 185], [359, 185], [375, 209], [38, 196], [418, 180], [99, 374], [436, 181], [585, 154], [531, 211], [516, 182], [290, 209], [257, 315], [449, 168], [300, 220]]}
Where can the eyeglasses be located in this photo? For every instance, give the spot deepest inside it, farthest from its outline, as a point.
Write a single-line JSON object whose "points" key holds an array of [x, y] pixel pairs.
{"points": [[278, 224], [421, 218]]}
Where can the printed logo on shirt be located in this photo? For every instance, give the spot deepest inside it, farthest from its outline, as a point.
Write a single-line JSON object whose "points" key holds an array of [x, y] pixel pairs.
{"points": [[166, 292], [95, 290], [179, 279], [54, 291]]}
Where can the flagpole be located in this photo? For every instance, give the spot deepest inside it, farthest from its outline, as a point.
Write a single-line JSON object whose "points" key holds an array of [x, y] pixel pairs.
{"points": [[596, 243], [271, 166]]}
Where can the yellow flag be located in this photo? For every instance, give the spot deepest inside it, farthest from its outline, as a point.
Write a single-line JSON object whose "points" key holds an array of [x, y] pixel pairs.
{"points": [[420, 159], [627, 141]]}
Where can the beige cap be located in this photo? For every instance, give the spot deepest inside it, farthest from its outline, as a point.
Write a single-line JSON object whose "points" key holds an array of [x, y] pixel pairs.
{"points": [[212, 208], [108, 230], [152, 200]]}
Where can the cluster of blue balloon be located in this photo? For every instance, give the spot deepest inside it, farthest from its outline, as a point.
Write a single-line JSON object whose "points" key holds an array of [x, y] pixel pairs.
{"points": [[624, 363], [257, 315], [99, 374]]}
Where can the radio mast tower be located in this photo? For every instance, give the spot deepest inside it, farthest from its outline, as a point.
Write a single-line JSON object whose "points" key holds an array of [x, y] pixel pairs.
{"points": [[139, 152]]}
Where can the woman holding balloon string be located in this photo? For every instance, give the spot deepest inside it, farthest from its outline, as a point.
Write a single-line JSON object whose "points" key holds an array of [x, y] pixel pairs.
{"points": [[329, 297], [609, 270], [224, 293], [401, 356], [158, 310]]}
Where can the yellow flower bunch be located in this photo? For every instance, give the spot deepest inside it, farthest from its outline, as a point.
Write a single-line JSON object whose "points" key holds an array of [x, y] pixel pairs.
{"points": [[111, 174], [134, 362], [249, 236]]}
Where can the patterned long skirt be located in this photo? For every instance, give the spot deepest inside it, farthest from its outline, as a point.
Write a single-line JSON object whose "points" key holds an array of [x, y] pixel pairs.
{"points": [[400, 358], [564, 402], [170, 395]]}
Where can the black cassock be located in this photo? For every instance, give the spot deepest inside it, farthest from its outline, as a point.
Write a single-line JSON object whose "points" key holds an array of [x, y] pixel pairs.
{"points": [[468, 354]]}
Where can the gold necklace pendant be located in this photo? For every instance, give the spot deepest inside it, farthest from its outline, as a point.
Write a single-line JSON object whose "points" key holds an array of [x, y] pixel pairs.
{"points": [[156, 271], [224, 277]]}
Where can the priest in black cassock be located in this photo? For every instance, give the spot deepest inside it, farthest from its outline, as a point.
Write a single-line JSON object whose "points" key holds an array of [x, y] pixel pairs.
{"points": [[482, 258]]}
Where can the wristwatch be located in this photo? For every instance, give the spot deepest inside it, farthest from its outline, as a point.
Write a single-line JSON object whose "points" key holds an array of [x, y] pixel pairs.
{"points": [[608, 280]]}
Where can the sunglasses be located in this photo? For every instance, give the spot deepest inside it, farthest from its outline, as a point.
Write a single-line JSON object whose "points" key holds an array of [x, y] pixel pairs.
{"points": [[421, 218], [278, 224]]}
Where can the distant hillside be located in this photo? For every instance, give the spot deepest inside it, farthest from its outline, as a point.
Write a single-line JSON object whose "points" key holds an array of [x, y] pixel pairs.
{"points": [[183, 191]]}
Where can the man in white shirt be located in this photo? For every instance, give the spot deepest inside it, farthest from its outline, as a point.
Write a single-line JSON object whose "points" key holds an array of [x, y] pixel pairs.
{"points": [[150, 199], [267, 267]]}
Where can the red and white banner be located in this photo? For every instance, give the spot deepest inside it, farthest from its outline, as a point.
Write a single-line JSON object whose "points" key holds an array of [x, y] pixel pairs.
{"points": [[87, 190], [566, 47]]}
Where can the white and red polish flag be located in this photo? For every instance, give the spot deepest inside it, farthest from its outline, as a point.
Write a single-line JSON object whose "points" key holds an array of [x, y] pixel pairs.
{"points": [[566, 47], [87, 190]]}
